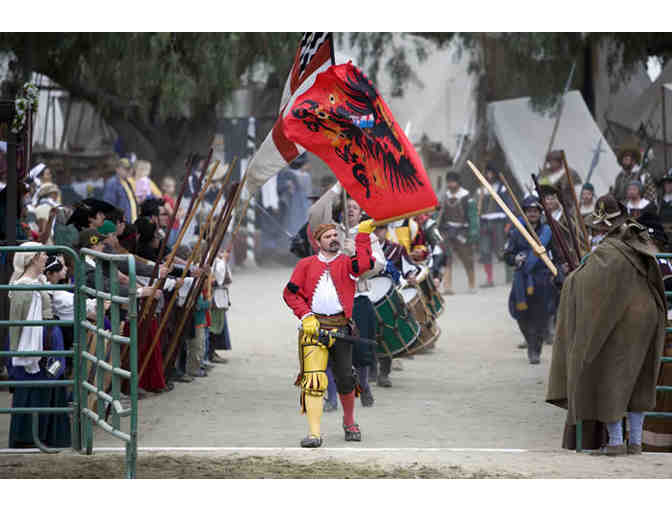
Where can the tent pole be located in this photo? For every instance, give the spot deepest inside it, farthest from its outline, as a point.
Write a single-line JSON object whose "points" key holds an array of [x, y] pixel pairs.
{"points": [[662, 91]]}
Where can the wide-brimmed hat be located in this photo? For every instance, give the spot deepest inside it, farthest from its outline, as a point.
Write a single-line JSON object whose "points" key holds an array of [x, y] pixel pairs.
{"points": [[530, 202], [608, 213], [90, 237], [632, 150], [651, 221], [86, 209], [47, 189]]}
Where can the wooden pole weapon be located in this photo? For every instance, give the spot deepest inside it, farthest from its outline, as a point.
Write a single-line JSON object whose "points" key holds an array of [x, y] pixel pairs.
{"points": [[150, 305], [579, 219], [178, 285], [178, 202], [183, 231], [571, 230], [198, 285], [555, 229], [537, 247], [200, 180], [519, 208], [560, 108]]}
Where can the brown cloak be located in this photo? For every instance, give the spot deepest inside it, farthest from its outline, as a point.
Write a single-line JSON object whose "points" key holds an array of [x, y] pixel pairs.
{"points": [[610, 331]]}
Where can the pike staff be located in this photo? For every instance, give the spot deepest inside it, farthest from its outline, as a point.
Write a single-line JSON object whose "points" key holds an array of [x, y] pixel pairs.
{"points": [[579, 217], [164, 242], [173, 299], [196, 288], [518, 208], [554, 225], [537, 247], [183, 231]]}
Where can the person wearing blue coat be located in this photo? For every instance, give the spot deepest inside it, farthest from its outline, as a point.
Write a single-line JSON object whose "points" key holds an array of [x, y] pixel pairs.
{"points": [[119, 192], [532, 298]]}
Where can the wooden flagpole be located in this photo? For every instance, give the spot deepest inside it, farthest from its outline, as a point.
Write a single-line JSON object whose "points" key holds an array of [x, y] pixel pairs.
{"points": [[537, 247]]}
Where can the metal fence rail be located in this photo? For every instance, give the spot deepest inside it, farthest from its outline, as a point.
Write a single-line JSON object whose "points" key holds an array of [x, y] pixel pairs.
{"points": [[108, 398], [73, 353]]}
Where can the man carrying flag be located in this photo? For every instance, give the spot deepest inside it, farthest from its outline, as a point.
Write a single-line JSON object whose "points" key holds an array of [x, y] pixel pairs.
{"points": [[335, 112], [321, 293]]}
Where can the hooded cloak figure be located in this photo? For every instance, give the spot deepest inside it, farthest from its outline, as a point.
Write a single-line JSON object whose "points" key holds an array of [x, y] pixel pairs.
{"points": [[610, 331]]}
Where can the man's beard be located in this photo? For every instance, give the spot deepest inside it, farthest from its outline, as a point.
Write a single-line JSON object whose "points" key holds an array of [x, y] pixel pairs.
{"points": [[334, 247]]}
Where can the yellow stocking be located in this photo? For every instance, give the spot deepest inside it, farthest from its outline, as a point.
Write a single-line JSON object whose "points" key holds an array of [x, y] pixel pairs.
{"points": [[314, 413]]}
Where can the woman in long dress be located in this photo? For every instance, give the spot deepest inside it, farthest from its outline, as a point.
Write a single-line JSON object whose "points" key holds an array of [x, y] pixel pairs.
{"points": [[53, 429]]}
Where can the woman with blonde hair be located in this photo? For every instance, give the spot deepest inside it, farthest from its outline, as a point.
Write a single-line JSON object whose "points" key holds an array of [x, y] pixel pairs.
{"points": [[142, 185]]}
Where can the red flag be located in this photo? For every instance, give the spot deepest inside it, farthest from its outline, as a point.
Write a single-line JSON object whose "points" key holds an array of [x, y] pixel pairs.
{"points": [[343, 120], [313, 55]]}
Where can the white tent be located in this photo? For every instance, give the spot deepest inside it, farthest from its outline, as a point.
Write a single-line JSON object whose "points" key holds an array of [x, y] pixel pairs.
{"points": [[524, 135], [442, 105], [647, 109]]}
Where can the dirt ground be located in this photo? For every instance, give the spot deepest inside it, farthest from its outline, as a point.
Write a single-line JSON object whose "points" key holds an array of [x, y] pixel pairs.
{"points": [[472, 408]]}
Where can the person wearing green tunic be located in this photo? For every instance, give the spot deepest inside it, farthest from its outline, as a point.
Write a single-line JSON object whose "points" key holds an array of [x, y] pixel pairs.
{"points": [[610, 331]]}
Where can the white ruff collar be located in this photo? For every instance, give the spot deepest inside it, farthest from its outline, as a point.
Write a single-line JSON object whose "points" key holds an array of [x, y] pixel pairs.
{"points": [[461, 193], [326, 260]]}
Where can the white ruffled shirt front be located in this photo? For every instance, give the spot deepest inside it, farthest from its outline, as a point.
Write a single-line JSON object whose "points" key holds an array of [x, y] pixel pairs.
{"points": [[325, 297]]}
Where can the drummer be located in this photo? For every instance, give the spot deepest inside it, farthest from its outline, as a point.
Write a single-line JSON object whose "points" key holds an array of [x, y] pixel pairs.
{"points": [[397, 265], [398, 256], [363, 313]]}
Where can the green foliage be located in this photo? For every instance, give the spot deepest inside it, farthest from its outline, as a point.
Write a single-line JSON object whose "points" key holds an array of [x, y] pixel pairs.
{"points": [[157, 76]]}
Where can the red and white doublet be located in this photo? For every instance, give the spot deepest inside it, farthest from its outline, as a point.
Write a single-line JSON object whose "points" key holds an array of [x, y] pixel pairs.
{"points": [[317, 281]]}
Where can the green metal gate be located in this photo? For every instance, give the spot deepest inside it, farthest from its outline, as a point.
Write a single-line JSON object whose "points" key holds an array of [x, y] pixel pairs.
{"points": [[108, 401], [664, 359]]}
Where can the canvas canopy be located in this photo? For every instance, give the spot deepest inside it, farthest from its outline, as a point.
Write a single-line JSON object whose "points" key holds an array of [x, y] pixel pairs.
{"points": [[647, 109], [524, 135]]}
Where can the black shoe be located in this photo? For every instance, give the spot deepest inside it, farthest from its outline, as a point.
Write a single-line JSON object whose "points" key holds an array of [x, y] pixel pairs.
{"points": [[311, 442], [522, 345], [328, 407], [352, 433], [534, 358], [384, 381], [487, 285], [367, 398]]}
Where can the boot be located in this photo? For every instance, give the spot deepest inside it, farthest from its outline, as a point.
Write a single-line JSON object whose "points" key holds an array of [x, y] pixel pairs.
{"points": [[634, 449], [448, 281], [367, 397], [384, 381], [471, 278], [533, 355]]}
